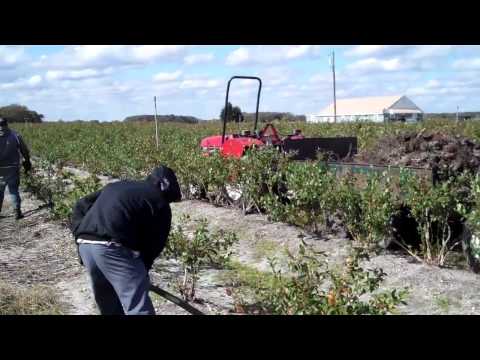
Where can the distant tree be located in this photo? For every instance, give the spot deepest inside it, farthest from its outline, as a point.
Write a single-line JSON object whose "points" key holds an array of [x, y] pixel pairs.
{"points": [[162, 118], [234, 113], [274, 116], [20, 114]]}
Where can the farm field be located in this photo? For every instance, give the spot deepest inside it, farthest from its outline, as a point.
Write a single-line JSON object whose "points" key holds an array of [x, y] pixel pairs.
{"points": [[330, 214]]}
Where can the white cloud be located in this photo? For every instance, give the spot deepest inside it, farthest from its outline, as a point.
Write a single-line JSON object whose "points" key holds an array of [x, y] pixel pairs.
{"points": [[200, 83], [83, 81], [198, 58], [147, 53], [403, 52], [238, 56], [467, 64], [270, 54], [413, 50], [380, 50], [11, 56], [432, 84], [428, 51], [76, 74], [294, 52], [32, 82], [378, 59], [100, 56], [365, 50], [275, 76], [372, 64], [167, 77], [320, 78]]}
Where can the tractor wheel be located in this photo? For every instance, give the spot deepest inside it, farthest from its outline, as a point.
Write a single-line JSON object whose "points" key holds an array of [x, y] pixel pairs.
{"points": [[471, 248], [233, 194], [404, 231], [196, 191]]}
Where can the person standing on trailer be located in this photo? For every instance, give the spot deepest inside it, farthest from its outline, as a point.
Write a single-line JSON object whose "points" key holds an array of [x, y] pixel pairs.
{"points": [[120, 231], [12, 147]]}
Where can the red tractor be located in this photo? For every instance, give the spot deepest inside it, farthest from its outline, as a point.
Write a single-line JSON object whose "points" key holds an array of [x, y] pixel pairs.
{"points": [[340, 151], [235, 145]]}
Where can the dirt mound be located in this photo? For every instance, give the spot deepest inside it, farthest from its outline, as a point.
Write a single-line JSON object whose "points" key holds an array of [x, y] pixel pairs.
{"points": [[449, 154]]}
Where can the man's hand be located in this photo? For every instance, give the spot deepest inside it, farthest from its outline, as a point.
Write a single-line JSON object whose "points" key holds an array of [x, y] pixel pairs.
{"points": [[27, 166]]}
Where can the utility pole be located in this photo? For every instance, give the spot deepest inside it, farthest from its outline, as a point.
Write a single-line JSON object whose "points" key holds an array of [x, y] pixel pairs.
{"points": [[156, 122], [332, 59]]}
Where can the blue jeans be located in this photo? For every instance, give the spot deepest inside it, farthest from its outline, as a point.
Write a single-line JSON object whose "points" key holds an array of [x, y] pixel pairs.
{"points": [[119, 279], [10, 177]]}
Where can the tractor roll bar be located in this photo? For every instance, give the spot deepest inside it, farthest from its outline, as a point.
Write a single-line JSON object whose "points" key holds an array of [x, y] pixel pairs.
{"points": [[225, 113]]}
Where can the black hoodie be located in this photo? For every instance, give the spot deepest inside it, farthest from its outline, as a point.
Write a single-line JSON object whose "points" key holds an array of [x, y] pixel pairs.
{"points": [[11, 146], [135, 214]]}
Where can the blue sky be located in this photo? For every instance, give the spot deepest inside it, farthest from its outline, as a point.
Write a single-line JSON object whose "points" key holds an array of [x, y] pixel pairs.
{"points": [[110, 82]]}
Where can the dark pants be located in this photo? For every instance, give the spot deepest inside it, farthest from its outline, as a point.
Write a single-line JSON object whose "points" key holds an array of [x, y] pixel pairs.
{"points": [[119, 278], [10, 177]]}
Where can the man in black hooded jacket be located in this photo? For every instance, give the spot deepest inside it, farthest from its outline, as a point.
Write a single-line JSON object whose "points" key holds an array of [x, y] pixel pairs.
{"points": [[12, 148], [120, 231]]}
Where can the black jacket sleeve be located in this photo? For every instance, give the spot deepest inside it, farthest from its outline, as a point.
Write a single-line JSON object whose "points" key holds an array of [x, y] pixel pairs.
{"points": [[80, 210], [157, 239], [23, 148]]}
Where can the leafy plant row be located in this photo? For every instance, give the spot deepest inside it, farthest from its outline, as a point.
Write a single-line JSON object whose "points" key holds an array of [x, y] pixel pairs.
{"points": [[304, 194], [309, 286]]}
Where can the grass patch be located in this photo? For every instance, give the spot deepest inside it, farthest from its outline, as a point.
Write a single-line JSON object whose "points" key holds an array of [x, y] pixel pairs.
{"points": [[242, 275], [265, 249], [35, 300], [241, 282], [443, 303]]}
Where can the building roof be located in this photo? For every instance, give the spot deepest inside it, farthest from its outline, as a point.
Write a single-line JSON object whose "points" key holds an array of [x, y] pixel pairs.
{"points": [[369, 105]]}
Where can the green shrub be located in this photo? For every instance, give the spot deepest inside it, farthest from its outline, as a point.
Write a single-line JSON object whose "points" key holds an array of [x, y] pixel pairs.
{"points": [[470, 210], [366, 211], [59, 189], [433, 207], [310, 287], [63, 202], [310, 193], [44, 181], [195, 251], [256, 175]]}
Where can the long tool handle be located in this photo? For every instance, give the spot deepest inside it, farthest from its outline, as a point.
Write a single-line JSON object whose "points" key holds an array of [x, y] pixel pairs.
{"points": [[176, 300]]}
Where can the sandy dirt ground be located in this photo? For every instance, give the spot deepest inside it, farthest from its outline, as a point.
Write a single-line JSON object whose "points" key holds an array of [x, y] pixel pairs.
{"points": [[39, 250]]}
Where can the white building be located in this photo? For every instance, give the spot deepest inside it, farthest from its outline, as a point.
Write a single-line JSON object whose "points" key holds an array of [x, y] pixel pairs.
{"points": [[376, 109]]}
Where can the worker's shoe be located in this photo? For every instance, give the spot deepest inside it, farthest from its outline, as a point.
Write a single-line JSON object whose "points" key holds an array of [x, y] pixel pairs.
{"points": [[18, 215]]}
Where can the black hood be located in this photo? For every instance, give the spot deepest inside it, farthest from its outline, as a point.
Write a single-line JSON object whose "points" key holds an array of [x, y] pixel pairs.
{"points": [[165, 180], [4, 131]]}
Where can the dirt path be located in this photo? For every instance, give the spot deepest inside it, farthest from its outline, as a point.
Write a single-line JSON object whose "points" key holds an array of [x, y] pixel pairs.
{"points": [[38, 250], [432, 290]]}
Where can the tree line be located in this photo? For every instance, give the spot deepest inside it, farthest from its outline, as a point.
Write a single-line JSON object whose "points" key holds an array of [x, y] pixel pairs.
{"points": [[162, 118], [236, 114], [20, 114]]}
